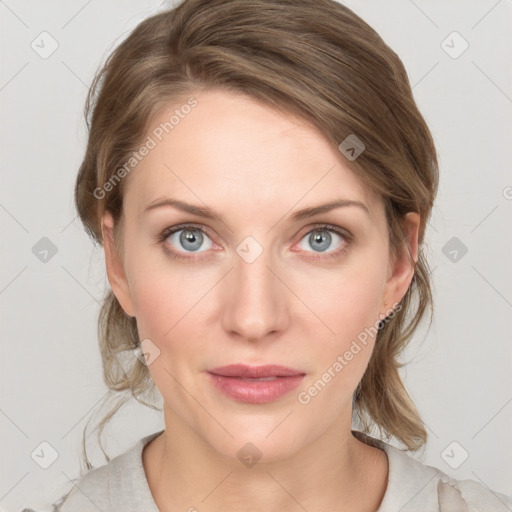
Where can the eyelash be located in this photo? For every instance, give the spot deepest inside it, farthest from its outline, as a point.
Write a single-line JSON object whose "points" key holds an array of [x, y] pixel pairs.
{"points": [[347, 237]]}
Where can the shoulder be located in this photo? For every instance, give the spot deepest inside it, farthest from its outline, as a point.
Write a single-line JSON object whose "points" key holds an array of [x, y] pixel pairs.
{"points": [[90, 492], [414, 486], [119, 483]]}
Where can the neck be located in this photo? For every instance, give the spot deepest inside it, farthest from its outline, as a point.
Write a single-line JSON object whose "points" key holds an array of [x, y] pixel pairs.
{"points": [[334, 472]]}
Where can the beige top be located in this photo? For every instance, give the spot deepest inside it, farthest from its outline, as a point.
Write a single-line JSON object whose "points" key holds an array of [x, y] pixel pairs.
{"points": [[121, 486]]}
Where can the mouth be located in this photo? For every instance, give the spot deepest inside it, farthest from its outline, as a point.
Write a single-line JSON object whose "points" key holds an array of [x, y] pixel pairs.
{"points": [[255, 384]]}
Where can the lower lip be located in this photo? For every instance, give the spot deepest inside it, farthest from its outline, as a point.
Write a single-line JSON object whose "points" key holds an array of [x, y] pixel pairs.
{"points": [[255, 391]]}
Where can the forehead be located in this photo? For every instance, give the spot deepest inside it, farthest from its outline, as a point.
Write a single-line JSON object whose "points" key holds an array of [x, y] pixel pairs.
{"points": [[234, 151]]}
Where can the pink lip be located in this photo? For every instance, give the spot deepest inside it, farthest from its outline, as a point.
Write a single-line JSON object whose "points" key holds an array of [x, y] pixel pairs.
{"points": [[237, 381]]}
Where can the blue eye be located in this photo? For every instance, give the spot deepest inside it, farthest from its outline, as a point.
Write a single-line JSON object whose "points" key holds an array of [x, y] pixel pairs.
{"points": [[321, 239], [184, 240], [187, 238]]}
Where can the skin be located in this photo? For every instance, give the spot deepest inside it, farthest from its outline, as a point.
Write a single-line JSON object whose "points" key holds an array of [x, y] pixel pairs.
{"points": [[294, 305]]}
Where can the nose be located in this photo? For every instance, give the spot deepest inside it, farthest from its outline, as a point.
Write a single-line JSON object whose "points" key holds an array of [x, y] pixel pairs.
{"points": [[254, 300]]}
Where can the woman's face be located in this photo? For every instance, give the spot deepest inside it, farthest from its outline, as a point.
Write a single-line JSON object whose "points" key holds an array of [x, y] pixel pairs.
{"points": [[246, 280]]}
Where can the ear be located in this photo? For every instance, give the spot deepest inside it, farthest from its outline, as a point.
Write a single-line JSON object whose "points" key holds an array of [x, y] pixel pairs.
{"points": [[401, 268], [115, 267]]}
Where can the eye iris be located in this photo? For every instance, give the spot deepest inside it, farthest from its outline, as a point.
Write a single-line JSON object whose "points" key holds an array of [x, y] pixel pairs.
{"points": [[318, 236], [189, 236]]}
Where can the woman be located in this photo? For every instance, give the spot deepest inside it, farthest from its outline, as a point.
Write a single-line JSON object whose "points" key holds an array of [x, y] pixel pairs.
{"points": [[228, 139]]}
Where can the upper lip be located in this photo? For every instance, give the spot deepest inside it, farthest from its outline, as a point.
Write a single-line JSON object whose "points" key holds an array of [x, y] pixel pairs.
{"points": [[255, 372]]}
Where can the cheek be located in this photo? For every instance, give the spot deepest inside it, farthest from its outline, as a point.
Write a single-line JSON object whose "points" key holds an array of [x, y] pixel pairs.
{"points": [[171, 304], [163, 291], [167, 308], [348, 303], [164, 301]]}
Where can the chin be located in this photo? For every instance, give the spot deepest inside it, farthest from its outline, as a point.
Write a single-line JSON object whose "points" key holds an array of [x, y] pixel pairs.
{"points": [[255, 448], [261, 437]]}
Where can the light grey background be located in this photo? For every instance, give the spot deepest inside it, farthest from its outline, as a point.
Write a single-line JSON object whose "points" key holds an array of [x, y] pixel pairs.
{"points": [[460, 373]]}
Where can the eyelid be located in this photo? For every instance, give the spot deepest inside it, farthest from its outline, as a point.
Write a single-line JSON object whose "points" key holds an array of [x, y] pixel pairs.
{"points": [[346, 235], [307, 229], [319, 226], [167, 232]]}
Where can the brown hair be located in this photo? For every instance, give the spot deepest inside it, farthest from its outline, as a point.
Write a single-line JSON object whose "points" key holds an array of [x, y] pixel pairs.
{"points": [[313, 58]]}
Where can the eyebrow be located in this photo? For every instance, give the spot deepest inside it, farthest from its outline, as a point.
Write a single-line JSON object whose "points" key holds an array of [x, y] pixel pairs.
{"points": [[208, 213]]}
